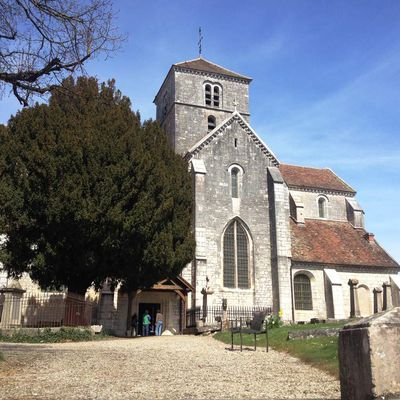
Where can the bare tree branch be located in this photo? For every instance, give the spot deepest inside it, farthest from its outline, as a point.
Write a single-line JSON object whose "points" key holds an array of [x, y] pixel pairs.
{"points": [[44, 41]]}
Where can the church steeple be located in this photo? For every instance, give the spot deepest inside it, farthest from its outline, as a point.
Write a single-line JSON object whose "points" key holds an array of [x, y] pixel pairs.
{"points": [[197, 95]]}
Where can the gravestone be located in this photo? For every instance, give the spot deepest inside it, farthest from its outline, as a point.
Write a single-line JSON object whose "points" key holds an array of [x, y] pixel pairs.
{"points": [[369, 357]]}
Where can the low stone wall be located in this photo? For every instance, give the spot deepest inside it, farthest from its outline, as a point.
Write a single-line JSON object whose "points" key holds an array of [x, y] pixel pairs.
{"points": [[313, 333]]}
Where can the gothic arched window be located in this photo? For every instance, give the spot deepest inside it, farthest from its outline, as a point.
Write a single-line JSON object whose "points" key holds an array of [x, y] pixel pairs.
{"points": [[235, 182], [211, 122], [236, 256], [322, 207], [302, 292]]}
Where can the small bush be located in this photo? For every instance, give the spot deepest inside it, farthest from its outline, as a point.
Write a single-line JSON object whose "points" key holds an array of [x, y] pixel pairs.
{"points": [[274, 321], [1, 357], [46, 335]]}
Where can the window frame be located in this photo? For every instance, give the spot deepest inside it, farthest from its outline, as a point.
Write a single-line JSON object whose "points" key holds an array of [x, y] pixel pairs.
{"points": [[239, 180], [322, 205], [238, 227], [304, 290], [213, 94], [211, 120]]}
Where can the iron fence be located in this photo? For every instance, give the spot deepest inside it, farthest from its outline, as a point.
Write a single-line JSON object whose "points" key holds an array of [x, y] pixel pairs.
{"points": [[213, 314], [39, 310]]}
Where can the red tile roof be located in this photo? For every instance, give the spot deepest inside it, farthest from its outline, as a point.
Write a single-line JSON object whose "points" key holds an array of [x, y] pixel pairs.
{"points": [[318, 178], [331, 242], [200, 64]]}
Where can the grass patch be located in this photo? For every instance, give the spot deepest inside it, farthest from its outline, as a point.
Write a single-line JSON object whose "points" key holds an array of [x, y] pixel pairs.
{"points": [[48, 335], [1, 357], [322, 352]]}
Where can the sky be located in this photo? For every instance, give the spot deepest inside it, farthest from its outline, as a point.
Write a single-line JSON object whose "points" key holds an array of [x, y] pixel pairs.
{"points": [[326, 81]]}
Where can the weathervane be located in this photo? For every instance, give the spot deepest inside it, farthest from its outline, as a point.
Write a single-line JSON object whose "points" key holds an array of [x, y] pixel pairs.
{"points": [[200, 40]]}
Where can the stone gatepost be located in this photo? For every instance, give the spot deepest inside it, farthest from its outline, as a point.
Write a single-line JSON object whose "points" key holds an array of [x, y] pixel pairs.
{"points": [[369, 357], [12, 306], [377, 300], [387, 303], [225, 322]]}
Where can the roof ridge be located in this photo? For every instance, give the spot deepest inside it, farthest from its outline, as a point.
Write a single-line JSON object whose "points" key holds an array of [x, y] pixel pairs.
{"points": [[304, 166], [223, 70]]}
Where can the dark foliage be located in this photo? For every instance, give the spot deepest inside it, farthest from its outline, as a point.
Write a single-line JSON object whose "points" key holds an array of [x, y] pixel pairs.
{"points": [[89, 193]]}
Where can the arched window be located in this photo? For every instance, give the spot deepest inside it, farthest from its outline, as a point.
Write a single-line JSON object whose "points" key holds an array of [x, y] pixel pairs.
{"points": [[302, 292], [207, 90], [236, 256], [216, 96], [213, 95], [235, 182], [211, 122], [322, 207]]}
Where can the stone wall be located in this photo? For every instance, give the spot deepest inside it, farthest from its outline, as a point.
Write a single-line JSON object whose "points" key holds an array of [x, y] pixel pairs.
{"points": [[368, 279], [369, 357], [186, 119], [336, 206], [215, 208]]}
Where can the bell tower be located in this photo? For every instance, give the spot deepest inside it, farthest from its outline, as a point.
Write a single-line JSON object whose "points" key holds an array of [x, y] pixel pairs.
{"points": [[195, 97]]}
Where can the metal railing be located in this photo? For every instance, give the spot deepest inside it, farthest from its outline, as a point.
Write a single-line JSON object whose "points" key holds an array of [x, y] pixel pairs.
{"points": [[39, 310], [213, 314]]}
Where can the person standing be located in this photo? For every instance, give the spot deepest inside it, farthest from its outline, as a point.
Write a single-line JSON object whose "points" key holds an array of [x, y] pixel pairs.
{"points": [[146, 323], [159, 323]]}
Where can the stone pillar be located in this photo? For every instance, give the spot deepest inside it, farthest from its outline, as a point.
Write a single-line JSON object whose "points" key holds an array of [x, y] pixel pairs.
{"points": [[377, 299], [224, 322], [369, 357], [386, 303], [12, 307], [352, 283], [333, 279], [279, 217], [205, 292]]}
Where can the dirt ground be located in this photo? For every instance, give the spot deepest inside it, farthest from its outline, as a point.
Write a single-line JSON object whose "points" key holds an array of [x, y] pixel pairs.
{"points": [[166, 367]]}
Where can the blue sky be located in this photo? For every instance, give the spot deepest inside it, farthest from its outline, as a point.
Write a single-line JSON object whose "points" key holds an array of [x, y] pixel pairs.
{"points": [[326, 88]]}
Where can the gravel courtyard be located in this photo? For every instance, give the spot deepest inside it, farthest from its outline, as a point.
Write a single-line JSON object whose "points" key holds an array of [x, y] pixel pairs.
{"points": [[166, 367]]}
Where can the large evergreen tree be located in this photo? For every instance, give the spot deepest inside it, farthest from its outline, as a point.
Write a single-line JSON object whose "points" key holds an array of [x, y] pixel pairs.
{"points": [[88, 192]]}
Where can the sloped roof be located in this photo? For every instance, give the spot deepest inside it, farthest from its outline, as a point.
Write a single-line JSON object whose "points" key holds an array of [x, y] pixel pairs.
{"points": [[200, 64], [235, 116], [318, 178], [333, 242]]}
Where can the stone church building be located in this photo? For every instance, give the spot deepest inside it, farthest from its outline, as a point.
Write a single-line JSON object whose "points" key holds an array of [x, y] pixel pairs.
{"points": [[268, 234]]}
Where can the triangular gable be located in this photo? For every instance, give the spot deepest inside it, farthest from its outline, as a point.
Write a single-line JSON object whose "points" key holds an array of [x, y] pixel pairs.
{"points": [[206, 140]]}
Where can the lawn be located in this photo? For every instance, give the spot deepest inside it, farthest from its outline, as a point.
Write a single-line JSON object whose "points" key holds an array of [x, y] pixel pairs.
{"points": [[321, 352]]}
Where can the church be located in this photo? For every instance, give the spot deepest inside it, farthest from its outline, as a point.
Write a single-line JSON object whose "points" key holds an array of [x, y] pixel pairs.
{"points": [[268, 234]]}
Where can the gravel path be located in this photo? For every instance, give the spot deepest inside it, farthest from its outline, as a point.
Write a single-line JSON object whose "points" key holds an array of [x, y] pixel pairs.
{"points": [[167, 367]]}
